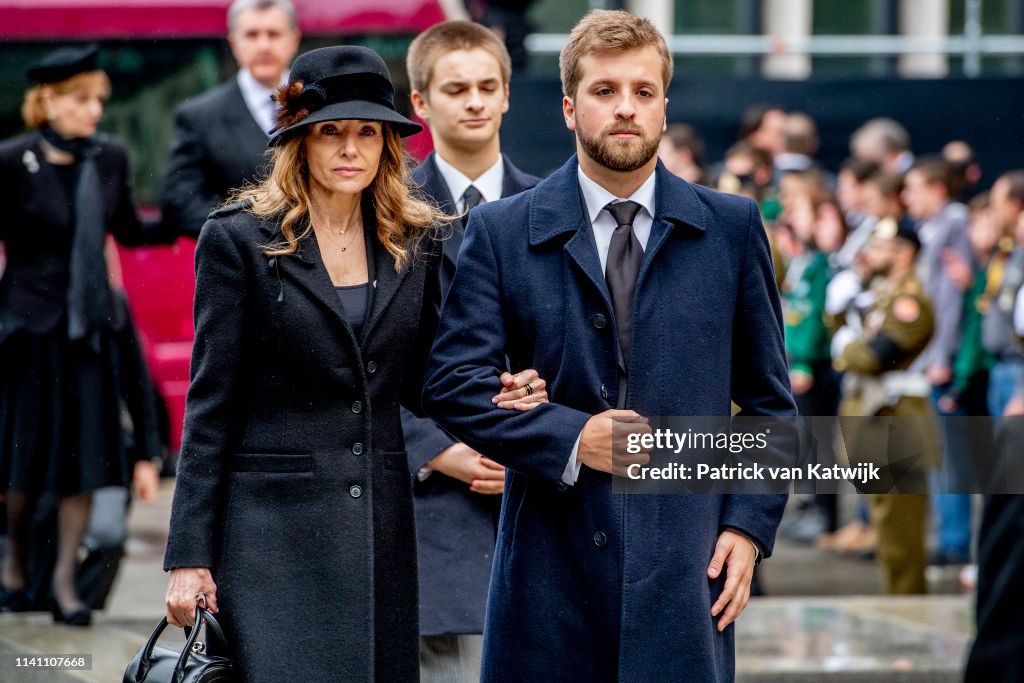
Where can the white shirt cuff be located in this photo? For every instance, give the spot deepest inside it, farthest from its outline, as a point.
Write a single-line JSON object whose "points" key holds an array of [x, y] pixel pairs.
{"points": [[572, 468], [424, 472]]}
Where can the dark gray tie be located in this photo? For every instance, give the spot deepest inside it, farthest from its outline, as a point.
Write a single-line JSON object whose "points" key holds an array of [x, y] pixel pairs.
{"points": [[471, 199], [624, 258]]}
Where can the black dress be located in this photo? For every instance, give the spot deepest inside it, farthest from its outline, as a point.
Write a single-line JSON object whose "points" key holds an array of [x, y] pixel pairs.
{"points": [[61, 401]]}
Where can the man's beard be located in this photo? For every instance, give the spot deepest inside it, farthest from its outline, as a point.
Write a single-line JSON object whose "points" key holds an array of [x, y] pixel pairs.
{"points": [[623, 155]]}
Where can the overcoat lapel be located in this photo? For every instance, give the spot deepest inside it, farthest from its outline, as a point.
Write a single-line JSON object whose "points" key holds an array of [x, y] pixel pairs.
{"points": [[243, 129], [675, 206], [386, 283], [437, 189], [306, 268], [557, 209]]}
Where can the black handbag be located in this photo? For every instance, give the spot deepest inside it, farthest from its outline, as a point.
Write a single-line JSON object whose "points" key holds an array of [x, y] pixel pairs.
{"points": [[194, 664]]}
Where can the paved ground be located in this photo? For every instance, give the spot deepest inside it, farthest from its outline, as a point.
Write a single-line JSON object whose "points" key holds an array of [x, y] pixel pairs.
{"points": [[823, 620]]}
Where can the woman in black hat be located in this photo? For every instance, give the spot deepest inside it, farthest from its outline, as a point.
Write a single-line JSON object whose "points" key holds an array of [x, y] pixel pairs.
{"points": [[63, 188], [317, 298]]}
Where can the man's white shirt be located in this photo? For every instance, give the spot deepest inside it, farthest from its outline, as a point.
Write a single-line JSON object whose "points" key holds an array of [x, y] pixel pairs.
{"points": [[489, 183], [257, 99]]}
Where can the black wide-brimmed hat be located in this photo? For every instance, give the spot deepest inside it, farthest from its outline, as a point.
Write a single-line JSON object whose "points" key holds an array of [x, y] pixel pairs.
{"points": [[337, 83], [64, 63]]}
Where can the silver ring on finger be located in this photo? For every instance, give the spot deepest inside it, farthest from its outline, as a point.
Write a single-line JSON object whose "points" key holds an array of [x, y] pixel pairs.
{"points": [[529, 390]]}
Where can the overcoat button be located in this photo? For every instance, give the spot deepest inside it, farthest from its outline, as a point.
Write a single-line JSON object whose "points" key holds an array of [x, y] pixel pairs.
{"points": [[355, 490], [357, 448], [600, 540], [371, 367], [599, 321], [604, 392], [357, 407]]}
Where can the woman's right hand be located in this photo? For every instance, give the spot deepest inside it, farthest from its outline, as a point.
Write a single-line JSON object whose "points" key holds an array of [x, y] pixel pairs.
{"points": [[187, 587]]}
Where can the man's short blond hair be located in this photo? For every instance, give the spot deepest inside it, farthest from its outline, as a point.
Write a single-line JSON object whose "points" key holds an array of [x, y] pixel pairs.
{"points": [[447, 37], [602, 31]]}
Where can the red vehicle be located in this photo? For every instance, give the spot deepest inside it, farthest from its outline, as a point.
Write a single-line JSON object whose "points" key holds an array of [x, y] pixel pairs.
{"points": [[159, 280]]}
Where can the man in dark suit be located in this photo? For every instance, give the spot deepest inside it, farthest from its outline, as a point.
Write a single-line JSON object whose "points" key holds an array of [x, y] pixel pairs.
{"points": [[459, 72], [589, 584], [220, 137]]}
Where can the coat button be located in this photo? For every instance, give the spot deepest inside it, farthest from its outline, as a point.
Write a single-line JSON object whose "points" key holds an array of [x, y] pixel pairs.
{"points": [[604, 392], [600, 540], [355, 490], [371, 367], [357, 448], [357, 407], [599, 321]]}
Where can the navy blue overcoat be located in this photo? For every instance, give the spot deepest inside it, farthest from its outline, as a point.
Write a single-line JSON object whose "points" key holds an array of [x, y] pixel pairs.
{"points": [[589, 585], [455, 528]]}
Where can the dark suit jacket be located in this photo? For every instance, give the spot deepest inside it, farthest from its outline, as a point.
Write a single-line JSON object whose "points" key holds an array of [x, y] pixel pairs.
{"points": [[454, 528], [292, 483], [218, 147], [617, 581], [37, 224]]}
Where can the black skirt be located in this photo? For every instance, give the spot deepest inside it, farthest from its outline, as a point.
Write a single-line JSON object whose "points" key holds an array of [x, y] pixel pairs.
{"points": [[61, 414]]}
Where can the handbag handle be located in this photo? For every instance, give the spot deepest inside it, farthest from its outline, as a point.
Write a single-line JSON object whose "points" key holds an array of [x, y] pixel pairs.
{"points": [[191, 634]]}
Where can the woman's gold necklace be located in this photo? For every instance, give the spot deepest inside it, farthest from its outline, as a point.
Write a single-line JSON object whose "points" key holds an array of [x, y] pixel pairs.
{"points": [[341, 234]]}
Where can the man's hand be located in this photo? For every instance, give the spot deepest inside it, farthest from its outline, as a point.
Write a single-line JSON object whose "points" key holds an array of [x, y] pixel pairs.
{"points": [[735, 553], [461, 462], [602, 437], [522, 391]]}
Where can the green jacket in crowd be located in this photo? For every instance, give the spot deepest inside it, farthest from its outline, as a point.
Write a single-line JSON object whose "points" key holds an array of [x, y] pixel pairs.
{"points": [[972, 357], [803, 308]]}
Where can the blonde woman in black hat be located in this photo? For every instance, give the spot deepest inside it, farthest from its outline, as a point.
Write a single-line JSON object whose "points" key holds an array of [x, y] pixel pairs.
{"points": [[63, 187], [316, 302]]}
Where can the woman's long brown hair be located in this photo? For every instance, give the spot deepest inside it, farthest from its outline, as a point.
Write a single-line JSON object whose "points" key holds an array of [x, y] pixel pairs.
{"points": [[402, 218]]}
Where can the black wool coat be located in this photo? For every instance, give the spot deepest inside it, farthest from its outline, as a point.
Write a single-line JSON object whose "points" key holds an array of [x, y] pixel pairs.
{"points": [[217, 147], [37, 225], [455, 528], [293, 485]]}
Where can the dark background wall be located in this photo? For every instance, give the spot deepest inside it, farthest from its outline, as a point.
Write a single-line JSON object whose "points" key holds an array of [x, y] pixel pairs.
{"points": [[987, 113]]}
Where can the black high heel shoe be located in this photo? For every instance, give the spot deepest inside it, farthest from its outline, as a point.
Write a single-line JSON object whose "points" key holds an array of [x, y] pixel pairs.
{"points": [[15, 600], [79, 617]]}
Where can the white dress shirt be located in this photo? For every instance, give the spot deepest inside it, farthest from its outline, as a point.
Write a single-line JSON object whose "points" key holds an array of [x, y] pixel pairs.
{"points": [[489, 183], [596, 198], [257, 99]]}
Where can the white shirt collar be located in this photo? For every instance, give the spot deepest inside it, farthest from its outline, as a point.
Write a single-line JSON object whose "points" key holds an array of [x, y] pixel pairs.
{"points": [[596, 197], [601, 222], [489, 183], [257, 98]]}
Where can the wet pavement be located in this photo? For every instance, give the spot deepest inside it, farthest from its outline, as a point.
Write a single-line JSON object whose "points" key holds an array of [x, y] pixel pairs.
{"points": [[823, 620]]}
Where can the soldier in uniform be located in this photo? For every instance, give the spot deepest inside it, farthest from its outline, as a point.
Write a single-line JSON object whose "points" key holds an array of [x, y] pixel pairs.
{"points": [[876, 348]]}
